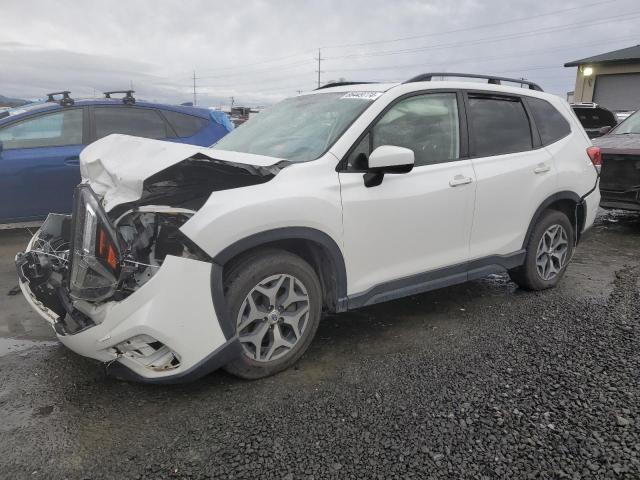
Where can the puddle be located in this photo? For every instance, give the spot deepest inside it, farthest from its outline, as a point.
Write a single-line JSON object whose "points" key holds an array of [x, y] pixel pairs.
{"points": [[13, 345]]}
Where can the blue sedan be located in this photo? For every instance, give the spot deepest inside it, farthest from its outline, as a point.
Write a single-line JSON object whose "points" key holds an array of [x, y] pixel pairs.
{"points": [[40, 145]]}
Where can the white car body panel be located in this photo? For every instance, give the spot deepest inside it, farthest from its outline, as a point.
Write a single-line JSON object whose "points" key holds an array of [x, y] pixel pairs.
{"points": [[411, 223], [175, 307], [507, 195], [116, 166], [287, 200]]}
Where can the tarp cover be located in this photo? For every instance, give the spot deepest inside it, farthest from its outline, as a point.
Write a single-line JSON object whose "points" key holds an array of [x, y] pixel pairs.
{"points": [[222, 119]]}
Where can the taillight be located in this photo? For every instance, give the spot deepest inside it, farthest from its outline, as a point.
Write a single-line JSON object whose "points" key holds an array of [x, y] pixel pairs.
{"points": [[595, 155]]}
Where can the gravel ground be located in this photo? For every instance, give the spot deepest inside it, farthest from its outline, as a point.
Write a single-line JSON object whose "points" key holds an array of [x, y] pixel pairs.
{"points": [[475, 381]]}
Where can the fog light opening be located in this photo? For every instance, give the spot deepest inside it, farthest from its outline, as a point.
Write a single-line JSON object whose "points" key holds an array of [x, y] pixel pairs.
{"points": [[147, 352]]}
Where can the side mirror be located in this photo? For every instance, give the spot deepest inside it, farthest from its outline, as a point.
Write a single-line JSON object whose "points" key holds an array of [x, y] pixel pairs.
{"points": [[604, 130], [388, 159]]}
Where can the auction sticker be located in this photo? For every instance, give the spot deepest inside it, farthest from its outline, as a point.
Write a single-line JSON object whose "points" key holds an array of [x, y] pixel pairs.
{"points": [[362, 95]]}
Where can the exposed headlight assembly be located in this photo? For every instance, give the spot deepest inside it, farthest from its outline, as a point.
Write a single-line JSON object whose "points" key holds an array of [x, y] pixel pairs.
{"points": [[95, 250]]}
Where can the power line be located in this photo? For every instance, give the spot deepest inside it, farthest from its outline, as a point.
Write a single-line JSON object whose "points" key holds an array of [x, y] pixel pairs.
{"points": [[477, 27], [251, 72], [262, 62], [568, 26], [485, 58]]}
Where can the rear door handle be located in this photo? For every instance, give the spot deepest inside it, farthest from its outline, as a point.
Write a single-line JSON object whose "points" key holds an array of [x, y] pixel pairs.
{"points": [[72, 161], [542, 168], [460, 180]]}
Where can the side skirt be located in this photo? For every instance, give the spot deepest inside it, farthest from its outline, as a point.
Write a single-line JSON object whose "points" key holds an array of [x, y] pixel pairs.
{"points": [[442, 277]]}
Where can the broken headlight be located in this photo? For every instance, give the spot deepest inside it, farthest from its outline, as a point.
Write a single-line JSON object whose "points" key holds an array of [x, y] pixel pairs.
{"points": [[95, 250], [151, 233]]}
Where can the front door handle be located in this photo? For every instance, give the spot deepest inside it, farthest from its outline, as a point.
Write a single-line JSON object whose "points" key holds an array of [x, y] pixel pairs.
{"points": [[72, 161], [460, 180], [542, 168]]}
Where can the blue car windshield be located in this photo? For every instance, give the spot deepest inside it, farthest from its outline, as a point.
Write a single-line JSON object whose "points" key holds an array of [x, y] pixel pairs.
{"points": [[298, 129]]}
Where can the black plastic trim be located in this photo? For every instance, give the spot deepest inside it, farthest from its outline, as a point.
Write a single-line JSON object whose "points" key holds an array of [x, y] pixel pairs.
{"points": [[566, 195], [286, 233], [218, 358], [220, 304], [442, 277]]}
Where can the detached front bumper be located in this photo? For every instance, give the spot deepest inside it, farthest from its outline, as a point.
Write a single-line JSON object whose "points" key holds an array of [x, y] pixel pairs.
{"points": [[167, 331]]}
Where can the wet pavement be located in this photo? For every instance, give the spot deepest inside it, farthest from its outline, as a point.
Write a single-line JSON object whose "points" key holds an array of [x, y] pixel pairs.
{"points": [[480, 380]]}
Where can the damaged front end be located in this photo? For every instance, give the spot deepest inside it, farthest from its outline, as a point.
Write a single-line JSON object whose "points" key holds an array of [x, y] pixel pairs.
{"points": [[74, 263], [84, 272]]}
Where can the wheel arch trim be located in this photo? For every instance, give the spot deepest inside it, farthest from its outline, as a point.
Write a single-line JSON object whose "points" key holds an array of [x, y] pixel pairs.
{"points": [[313, 235], [564, 195]]}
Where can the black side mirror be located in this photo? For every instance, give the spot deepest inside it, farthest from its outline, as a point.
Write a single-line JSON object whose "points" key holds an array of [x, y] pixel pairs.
{"points": [[604, 130]]}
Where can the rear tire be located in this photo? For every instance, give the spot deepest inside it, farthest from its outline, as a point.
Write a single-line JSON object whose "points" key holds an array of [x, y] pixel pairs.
{"points": [[275, 298], [549, 249]]}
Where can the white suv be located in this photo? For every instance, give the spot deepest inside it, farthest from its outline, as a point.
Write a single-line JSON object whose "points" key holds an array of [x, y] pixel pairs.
{"points": [[179, 260]]}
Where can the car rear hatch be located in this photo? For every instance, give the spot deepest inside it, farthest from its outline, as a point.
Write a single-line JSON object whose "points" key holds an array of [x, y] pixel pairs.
{"points": [[593, 118]]}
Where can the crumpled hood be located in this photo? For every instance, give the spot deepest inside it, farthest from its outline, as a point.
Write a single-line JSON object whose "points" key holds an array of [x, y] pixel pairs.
{"points": [[116, 166], [619, 143]]}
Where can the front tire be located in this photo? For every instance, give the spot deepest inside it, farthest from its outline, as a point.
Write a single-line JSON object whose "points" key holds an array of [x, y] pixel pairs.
{"points": [[275, 298], [549, 250]]}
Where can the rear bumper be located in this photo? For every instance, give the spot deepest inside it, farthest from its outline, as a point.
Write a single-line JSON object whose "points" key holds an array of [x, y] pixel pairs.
{"points": [[628, 200], [635, 207], [175, 308]]}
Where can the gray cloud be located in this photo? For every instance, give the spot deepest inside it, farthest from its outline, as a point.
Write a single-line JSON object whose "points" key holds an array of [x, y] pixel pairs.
{"points": [[261, 51]]}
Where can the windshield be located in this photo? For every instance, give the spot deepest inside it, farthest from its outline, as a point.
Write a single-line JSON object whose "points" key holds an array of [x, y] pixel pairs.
{"points": [[630, 125], [300, 128]]}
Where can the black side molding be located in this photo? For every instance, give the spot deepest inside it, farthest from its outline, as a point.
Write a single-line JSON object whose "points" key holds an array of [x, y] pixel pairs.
{"points": [[435, 279]]}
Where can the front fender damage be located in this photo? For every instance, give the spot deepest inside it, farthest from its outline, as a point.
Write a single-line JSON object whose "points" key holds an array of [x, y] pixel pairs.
{"points": [[141, 204]]}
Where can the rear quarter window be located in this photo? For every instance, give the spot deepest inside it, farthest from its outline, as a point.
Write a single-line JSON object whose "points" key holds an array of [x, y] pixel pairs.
{"points": [[183, 124], [140, 122], [550, 123]]}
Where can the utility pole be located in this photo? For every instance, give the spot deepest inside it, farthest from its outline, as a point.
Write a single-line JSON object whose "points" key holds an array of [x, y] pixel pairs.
{"points": [[131, 82], [194, 88], [232, 101], [319, 63]]}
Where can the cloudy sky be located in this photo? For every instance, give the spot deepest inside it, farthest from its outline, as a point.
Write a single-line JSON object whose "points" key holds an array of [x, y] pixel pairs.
{"points": [[260, 51]]}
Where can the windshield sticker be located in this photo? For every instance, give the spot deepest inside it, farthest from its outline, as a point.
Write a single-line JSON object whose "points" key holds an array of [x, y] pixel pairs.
{"points": [[362, 95]]}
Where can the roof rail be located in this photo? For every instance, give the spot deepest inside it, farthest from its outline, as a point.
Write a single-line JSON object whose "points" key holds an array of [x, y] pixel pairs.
{"points": [[426, 77], [65, 101], [128, 98], [342, 84]]}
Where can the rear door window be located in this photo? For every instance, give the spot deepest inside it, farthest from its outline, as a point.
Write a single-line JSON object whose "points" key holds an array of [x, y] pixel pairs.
{"points": [[48, 130], [499, 124], [185, 125], [140, 122], [551, 124]]}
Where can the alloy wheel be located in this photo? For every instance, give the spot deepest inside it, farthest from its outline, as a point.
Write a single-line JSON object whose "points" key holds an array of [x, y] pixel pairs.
{"points": [[551, 255], [273, 317]]}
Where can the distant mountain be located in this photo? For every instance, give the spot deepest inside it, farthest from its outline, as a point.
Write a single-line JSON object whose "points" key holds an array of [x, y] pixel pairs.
{"points": [[11, 102]]}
